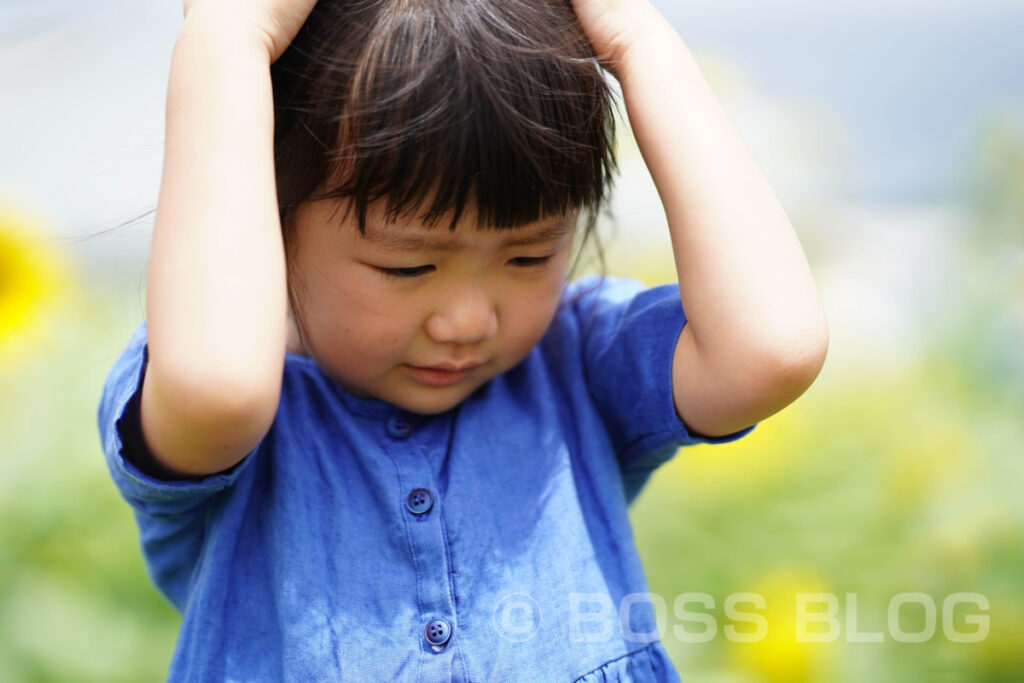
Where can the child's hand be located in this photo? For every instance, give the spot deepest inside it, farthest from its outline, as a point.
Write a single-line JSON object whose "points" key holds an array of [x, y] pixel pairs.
{"points": [[613, 26], [274, 22]]}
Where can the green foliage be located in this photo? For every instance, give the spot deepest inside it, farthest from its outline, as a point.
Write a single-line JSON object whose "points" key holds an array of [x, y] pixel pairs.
{"points": [[75, 601], [874, 485]]}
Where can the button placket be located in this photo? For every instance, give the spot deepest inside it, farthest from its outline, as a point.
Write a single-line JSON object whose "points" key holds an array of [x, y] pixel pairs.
{"points": [[425, 531]]}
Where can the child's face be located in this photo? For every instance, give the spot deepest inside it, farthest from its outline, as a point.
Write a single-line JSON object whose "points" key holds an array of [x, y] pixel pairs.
{"points": [[484, 302]]}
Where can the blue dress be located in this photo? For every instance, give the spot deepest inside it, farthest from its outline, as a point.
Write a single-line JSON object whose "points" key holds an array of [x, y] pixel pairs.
{"points": [[487, 543]]}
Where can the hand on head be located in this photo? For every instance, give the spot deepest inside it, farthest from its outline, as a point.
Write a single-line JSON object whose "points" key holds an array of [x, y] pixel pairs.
{"points": [[612, 26]]}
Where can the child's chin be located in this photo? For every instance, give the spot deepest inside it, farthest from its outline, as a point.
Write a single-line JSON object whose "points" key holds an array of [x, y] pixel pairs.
{"points": [[431, 400], [427, 400]]}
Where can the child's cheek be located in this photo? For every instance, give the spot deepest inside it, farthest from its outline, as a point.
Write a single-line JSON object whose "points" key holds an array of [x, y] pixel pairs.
{"points": [[529, 316], [358, 287]]}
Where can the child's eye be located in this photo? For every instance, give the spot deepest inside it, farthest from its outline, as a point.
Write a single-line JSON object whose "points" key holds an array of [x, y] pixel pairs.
{"points": [[403, 273], [417, 271], [531, 260]]}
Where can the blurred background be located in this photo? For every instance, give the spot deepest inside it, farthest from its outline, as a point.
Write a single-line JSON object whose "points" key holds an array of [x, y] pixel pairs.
{"points": [[893, 133]]}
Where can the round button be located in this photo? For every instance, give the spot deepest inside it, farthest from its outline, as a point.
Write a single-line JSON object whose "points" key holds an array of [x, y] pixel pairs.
{"points": [[438, 631], [399, 426], [419, 501]]}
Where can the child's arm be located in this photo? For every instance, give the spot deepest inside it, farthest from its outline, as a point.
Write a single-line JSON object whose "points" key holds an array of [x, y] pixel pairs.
{"points": [[216, 296], [757, 334]]}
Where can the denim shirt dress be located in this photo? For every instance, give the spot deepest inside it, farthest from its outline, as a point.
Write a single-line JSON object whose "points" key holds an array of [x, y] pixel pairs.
{"points": [[360, 542]]}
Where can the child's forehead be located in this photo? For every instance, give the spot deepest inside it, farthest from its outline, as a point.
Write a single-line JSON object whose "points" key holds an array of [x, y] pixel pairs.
{"points": [[413, 236]]}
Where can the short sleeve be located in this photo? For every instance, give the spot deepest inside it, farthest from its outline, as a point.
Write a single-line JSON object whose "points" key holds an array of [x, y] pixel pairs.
{"points": [[171, 513], [628, 336]]}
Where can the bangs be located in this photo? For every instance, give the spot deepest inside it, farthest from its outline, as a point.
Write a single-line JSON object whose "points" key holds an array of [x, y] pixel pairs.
{"points": [[436, 105]]}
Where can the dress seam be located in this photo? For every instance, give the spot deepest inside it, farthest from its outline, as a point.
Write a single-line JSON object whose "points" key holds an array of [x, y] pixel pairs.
{"points": [[612, 661], [459, 655]]}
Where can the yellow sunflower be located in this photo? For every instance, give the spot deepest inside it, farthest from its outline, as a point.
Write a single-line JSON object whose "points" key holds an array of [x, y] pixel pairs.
{"points": [[786, 649], [32, 275]]}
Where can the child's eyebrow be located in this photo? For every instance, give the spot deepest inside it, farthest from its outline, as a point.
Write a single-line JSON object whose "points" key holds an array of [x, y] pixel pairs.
{"points": [[398, 240]]}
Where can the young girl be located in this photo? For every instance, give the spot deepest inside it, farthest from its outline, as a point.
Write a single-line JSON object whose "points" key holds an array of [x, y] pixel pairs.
{"points": [[369, 430]]}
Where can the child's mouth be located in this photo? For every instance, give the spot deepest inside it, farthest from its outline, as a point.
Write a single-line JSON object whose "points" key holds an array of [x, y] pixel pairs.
{"points": [[436, 377]]}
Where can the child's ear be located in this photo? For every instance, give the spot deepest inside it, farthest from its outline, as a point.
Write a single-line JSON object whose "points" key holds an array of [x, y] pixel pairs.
{"points": [[293, 341]]}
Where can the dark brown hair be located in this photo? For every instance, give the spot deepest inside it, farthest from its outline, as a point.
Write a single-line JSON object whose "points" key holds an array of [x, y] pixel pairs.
{"points": [[431, 105]]}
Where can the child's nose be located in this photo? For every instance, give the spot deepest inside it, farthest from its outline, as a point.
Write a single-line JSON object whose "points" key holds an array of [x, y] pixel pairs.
{"points": [[466, 318]]}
